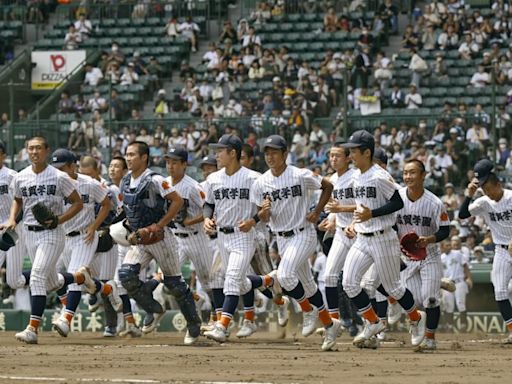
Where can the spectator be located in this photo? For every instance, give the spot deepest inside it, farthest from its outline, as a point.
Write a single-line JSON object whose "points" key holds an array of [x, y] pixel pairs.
{"points": [[113, 73], [97, 102], [242, 30], [439, 70], [93, 75], [396, 98], [413, 99], [129, 76], [449, 39], [365, 39], [66, 104], [389, 14], [161, 104], [251, 39], [228, 32], [502, 152], [190, 30], [477, 137], [76, 132], [318, 135], [83, 26], [410, 39], [145, 136], [330, 20], [115, 55], [478, 256], [468, 49], [418, 66], [186, 71], [444, 162], [139, 65], [450, 200], [155, 72], [362, 69], [256, 72], [429, 38], [73, 38], [172, 28], [481, 78]]}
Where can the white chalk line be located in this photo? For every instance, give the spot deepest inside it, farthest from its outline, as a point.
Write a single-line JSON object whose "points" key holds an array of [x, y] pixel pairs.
{"points": [[136, 381]]}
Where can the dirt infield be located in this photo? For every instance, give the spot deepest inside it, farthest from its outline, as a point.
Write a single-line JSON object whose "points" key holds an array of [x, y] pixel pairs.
{"points": [[161, 358]]}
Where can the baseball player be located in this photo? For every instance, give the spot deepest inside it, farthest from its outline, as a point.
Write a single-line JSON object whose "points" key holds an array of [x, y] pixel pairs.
{"points": [[105, 262], [377, 201], [228, 197], [40, 183], [145, 195], [283, 195], [82, 239], [424, 214], [14, 256]]}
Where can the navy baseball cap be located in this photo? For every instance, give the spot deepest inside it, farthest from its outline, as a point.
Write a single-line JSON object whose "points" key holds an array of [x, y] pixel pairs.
{"points": [[208, 160], [229, 141], [360, 139], [177, 154], [483, 170], [62, 157], [380, 155], [276, 142]]}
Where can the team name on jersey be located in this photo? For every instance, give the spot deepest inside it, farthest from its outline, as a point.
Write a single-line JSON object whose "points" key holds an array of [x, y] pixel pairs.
{"points": [[417, 220], [344, 193], [231, 193], [39, 190], [4, 189], [85, 199], [501, 216], [362, 192], [283, 193]]}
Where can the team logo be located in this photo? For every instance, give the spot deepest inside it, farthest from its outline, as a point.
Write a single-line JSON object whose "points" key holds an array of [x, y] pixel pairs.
{"points": [[165, 185], [269, 140]]}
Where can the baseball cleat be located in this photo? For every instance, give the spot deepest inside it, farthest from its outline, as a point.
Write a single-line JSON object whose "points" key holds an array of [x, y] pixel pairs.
{"points": [[110, 332], [426, 345], [372, 343], [382, 336], [218, 333], [282, 312], [189, 340], [61, 325], [417, 329], [114, 298], [368, 331], [247, 329], [28, 335], [93, 303], [276, 287], [207, 327], [151, 321], [309, 322], [507, 340], [131, 330], [394, 313], [90, 285], [320, 331], [331, 334], [448, 284]]}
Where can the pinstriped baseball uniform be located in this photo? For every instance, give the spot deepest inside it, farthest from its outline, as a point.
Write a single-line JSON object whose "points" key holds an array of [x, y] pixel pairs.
{"points": [[193, 243], [290, 194], [453, 269], [14, 256], [424, 216], [374, 188], [165, 252], [343, 194], [50, 187], [231, 196]]}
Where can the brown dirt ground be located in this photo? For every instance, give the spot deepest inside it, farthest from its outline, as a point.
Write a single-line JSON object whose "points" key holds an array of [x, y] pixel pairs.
{"points": [[263, 358]]}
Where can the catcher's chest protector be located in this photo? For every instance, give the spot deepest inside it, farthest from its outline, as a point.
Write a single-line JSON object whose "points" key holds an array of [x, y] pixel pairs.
{"points": [[143, 205]]}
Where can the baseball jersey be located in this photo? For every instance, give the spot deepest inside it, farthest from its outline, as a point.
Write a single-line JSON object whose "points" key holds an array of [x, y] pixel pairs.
{"points": [[193, 199], [231, 196], [497, 215], [290, 194], [453, 265], [91, 192], [6, 176], [373, 189], [49, 187], [424, 216], [163, 186], [343, 194]]}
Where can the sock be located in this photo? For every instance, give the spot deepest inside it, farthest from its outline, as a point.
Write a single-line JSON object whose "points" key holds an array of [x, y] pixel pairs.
{"points": [[218, 298], [69, 278], [34, 322], [127, 305], [38, 303], [268, 293], [331, 294], [128, 317], [248, 300], [68, 315], [305, 305], [228, 309], [249, 314], [267, 281], [381, 289], [363, 304], [382, 309], [369, 314], [407, 303], [317, 300], [106, 289], [63, 299], [433, 316], [73, 300], [506, 312], [279, 301], [98, 286], [298, 294], [374, 304], [256, 281], [26, 275], [79, 278]]}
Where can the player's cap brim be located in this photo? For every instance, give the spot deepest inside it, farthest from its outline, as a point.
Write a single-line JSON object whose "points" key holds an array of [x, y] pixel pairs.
{"points": [[352, 145], [274, 146], [483, 179], [58, 165], [219, 146], [174, 157]]}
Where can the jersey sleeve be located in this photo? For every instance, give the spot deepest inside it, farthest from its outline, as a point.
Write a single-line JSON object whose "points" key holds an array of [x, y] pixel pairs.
{"points": [[312, 182], [207, 188], [478, 207], [197, 195], [163, 186], [99, 192], [66, 185], [255, 194], [15, 187], [386, 185]]}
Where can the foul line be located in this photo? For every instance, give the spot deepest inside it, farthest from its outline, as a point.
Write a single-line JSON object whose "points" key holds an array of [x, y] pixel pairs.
{"points": [[136, 381]]}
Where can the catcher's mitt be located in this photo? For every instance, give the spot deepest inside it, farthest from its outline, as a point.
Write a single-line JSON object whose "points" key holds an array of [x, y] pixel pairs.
{"points": [[105, 242], [45, 216], [148, 235], [409, 247]]}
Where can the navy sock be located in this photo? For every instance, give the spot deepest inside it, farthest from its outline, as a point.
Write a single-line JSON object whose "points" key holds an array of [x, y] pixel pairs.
{"points": [[381, 289], [268, 293], [73, 300], [433, 315], [361, 301], [69, 278], [127, 305], [297, 293], [256, 281], [98, 285], [248, 299], [374, 304], [230, 304], [382, 309], [218, 297], [62, 291], [505, 309], [26, 274], [317, 300], [331, 294], [407, 301], [38, 303]]}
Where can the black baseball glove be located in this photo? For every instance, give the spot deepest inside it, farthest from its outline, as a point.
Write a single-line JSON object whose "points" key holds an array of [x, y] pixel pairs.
{"points": [[105, 241], [45, 216]]}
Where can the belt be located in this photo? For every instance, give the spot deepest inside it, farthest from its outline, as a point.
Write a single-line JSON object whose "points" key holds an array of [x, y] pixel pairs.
{"points": [[227, 230], [289, 233], [502, 246], [213, 237], [35, 228], [73, 234], [185, 235], [371, 234]]}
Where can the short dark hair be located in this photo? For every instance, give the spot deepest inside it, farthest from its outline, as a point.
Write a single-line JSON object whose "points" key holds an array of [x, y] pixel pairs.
{"points": [[419, 163], [247, 149], [492, 179], [40, 138], [345, 149], [142, 148], [122, 160]]}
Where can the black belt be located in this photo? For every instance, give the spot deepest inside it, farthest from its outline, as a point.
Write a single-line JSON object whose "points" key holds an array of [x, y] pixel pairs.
{"points": [[73, 234], [185, 235], [502, 246], [227, 230], [35, 228], [289, 233], [371, 234], [213, 237]]}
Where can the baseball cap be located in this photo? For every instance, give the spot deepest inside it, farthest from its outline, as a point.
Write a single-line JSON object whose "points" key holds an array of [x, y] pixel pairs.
{"points": [[360, 139], [228, 141], [449, 185], [483, 170], [380, 155], [208, 160], [61, 157], [276, 142], [177, 154]]}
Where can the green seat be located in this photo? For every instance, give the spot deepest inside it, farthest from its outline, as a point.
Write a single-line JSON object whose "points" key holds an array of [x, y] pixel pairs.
{"points": [[301, 27], [293, 37], [334, 45], [286, 27], [323, 36], [311, 16], [294, 17], [317, 46], [340, 35]]}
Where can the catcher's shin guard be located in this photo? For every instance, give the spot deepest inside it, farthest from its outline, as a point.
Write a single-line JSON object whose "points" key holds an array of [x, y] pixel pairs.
{"points": [[181, 292], [141, 292]]}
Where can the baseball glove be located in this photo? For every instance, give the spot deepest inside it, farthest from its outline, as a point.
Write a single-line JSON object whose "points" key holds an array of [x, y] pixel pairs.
{"points": [[45, 216], [409, 247], [105, 241], [148, 235]]}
